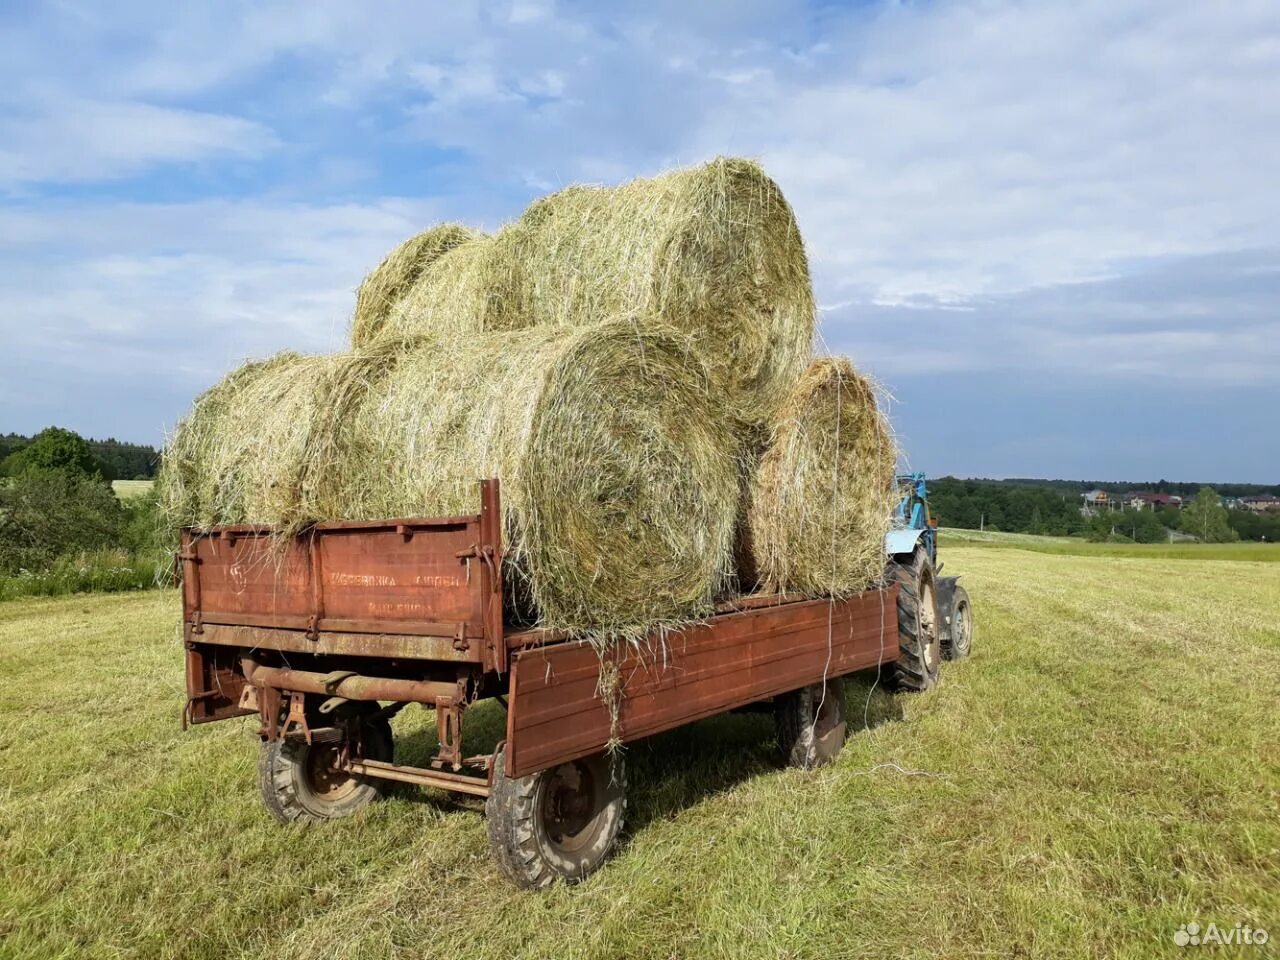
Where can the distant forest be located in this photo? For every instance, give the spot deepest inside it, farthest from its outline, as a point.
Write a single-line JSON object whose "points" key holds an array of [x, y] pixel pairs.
{"points": [[1078, 487], [125, 461], [1052, 507]]}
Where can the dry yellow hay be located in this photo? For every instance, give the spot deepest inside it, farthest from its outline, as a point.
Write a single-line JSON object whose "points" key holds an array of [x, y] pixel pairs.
{"points": [[822, 497], [390, 280], [241, 455], [713, 251]]}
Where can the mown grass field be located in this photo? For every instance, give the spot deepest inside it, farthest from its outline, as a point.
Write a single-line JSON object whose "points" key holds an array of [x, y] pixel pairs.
{"points": [[131, 488], [1079, 547], [1105, 769]]}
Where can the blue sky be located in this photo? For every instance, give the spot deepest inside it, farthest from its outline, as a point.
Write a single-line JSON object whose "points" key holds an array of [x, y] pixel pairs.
{"points": [[1051, 230]]}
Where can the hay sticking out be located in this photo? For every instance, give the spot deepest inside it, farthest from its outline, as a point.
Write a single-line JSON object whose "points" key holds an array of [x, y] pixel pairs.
{"points": [[619, 481], [822, 499], [713, 251], [390, 280]]}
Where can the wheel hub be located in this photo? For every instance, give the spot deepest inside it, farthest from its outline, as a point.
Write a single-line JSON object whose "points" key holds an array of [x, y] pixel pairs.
{"points": [[324, 778], [569, 805]]}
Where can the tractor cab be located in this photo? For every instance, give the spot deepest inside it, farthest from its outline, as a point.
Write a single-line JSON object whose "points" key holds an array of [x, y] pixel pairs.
{"points": [[912, 523]]}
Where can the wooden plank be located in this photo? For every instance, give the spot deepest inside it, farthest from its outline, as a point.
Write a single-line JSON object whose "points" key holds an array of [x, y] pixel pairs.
{"points": [[556, 714]]}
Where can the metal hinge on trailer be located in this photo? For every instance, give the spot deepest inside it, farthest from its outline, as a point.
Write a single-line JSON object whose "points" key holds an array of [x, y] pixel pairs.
{"points": [[479, 552]]}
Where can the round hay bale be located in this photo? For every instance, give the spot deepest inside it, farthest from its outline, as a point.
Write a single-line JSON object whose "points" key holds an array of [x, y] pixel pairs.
{"points": [[713, 251], [822, 497], [619, 480], [246, 451], [391, 279]]}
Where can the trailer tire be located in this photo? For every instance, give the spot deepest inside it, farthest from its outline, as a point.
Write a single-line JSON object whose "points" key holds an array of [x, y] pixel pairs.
{"points": [[298, 785], [919, 634], [958, 642], [557, 824], [810, 724]]}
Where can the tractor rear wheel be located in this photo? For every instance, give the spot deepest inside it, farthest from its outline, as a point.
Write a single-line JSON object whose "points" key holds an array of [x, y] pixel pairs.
{"points": [[557, 824], [919, 646], [810, 724], [299, 780], [959, 640]]}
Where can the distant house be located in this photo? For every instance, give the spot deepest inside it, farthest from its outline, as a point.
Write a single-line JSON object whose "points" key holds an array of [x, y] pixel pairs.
{"points": [[1096, 500], [1146, 500], [1261, 503]]}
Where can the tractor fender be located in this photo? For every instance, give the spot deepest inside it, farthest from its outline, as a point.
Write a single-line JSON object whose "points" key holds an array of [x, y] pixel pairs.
{"points": [[898, 542]]}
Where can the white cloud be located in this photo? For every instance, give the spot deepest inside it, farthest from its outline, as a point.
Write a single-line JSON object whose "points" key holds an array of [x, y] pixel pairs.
{"points": [[207, 284], [88, 140]]}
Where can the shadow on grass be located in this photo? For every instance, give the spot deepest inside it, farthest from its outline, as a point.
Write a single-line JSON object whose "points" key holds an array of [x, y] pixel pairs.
{"points": [[671, 771]]}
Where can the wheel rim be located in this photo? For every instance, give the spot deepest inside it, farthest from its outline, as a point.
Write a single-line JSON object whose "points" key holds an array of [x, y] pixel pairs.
{"points": [[570, 806], [928, 627], [324, 780]]}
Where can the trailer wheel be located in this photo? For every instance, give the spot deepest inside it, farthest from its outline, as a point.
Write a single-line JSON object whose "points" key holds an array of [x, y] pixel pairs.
{"points": [[298, 780], [558, 824], [919, 647], [810, 724], [959, 640]]}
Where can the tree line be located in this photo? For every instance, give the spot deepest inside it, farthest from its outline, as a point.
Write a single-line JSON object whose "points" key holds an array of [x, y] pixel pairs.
{"points": [[63, 529], [116, 460], [1053, 509]]}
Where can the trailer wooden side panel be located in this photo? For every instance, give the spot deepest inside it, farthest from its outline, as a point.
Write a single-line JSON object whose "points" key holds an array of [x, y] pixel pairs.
{"points": [[556, 713]]}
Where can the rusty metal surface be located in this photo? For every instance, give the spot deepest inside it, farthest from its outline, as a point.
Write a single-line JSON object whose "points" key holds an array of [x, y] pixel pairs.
{"points": [[350, 685], [421, 776], [392, 646], [214, 685], [555, 714], [429, 577]]}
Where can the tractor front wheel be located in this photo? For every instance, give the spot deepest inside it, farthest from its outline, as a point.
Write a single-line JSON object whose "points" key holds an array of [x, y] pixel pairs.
{"points": [[959, 626]]}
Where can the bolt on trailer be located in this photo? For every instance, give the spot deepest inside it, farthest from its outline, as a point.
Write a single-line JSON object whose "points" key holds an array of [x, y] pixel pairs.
{"points": [[330, 638]]}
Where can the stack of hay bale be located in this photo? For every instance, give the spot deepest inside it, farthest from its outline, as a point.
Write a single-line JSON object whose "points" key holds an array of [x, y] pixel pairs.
{"points": [[633, 363]]}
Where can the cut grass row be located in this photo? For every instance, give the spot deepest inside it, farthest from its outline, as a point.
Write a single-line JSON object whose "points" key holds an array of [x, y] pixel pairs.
{"points": [[1102, 771], [1076, 547]]}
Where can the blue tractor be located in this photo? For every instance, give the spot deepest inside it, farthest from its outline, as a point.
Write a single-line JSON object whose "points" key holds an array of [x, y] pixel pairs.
{"points": [[935, 621]]}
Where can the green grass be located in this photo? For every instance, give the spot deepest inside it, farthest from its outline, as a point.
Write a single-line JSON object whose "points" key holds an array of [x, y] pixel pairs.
{"points": [[131, 488], [996, 537], [1104, 769], [90, 571], [1076, 547]]}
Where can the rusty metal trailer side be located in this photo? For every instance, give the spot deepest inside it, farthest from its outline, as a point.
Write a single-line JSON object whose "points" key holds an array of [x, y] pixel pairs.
{"points": [[559, 712]]}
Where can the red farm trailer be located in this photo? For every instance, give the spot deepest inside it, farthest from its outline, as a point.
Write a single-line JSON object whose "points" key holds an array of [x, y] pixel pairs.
{"points": [[330, 637]]}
